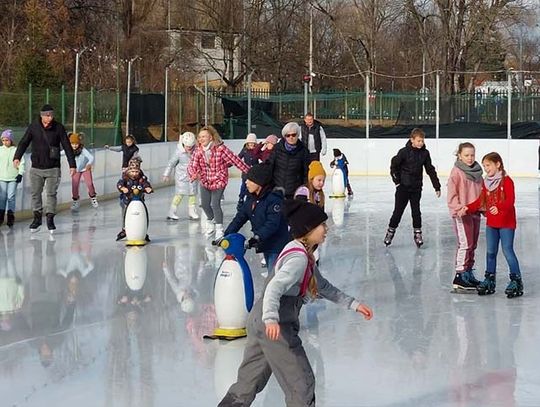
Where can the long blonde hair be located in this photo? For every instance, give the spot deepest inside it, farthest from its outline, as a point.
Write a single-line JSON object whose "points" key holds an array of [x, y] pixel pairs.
{"points": [[216, 138]]}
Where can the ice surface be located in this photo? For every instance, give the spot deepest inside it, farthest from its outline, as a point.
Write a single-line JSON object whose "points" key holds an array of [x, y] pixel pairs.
{"points": [[73, 343]]}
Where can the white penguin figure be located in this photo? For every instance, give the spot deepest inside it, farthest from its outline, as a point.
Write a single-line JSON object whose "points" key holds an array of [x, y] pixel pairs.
{"points": [[338, 183], [136, 220], [233, 290]]}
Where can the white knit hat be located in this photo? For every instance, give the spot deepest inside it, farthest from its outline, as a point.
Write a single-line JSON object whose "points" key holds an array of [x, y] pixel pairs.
{"points": [[251, 138]]}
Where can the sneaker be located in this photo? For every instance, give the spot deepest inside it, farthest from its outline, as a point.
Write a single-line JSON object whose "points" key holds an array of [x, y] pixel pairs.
{"points": [[94, 202], [121, 235], [50, 222], [75, 205], [463, 284], [36, 223]]}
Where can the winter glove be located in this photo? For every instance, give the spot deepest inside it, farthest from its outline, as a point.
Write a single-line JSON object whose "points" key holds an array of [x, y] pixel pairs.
{"points": [[217, 242], [251, 243], [18, 179]]}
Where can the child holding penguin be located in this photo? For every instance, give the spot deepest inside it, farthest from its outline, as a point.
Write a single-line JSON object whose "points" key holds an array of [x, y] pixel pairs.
{"points": [[273, 344], [263, 209]]}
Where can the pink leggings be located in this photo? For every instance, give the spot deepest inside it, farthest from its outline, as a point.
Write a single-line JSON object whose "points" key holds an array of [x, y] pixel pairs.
{"points": [[76, 180]]}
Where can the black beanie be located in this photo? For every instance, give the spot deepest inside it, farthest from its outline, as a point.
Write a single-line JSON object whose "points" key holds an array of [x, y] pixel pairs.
{"points": [[302, 216], [337, 152], [260, 174], [46, 109]]}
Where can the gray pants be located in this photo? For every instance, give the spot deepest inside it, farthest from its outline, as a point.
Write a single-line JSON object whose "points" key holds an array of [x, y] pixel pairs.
{"points": [[211, 204], [285, 358], [47, 180]]}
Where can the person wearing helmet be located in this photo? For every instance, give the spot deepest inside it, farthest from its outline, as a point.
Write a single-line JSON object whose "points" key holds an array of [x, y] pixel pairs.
{"points": [[183, 186]]}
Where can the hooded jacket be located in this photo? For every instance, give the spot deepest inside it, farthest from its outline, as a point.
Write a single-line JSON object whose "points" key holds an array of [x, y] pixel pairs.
{"points": [[267, 220], [406, 168]]}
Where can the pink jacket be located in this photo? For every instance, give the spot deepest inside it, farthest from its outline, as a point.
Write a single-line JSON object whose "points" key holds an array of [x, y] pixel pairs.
{"points": [[461, 191], [214, 174]]}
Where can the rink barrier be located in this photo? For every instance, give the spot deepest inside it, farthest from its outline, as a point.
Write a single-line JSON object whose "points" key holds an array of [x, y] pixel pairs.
{"points": [[365, 156]]}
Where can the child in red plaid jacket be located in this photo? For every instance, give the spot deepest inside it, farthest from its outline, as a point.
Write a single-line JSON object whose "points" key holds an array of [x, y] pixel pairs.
{"points": [[210, 165]]}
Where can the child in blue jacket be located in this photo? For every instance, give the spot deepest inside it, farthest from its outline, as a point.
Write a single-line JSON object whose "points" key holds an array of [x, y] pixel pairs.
{"points": [[263, 209]]}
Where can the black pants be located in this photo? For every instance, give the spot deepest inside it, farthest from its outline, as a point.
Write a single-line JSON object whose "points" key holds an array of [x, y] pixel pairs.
{"points": [[403, 196], [315, 156]]}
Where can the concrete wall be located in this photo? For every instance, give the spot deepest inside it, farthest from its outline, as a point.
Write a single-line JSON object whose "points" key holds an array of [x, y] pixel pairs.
{"points": [[366, 157]]}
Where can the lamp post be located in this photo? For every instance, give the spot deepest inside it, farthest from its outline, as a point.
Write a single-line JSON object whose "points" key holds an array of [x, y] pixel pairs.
{"points": [[77, 57], [130, 62]]}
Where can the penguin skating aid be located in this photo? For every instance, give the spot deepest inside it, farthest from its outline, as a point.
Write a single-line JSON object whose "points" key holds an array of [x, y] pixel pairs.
{"points": [[233, 290], [338, 183], [136, 219]]}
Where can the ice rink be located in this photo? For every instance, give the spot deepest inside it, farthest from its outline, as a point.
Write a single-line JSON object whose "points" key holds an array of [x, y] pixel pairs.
{"points": [[75, 343]]}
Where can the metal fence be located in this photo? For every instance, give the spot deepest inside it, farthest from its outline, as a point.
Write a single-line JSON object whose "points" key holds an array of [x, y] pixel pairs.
{"points": [[100, 114]]}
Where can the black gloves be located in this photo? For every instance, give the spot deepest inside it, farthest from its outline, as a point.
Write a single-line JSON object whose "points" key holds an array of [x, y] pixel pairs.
{"points": [[252, 242], [18, 178]]}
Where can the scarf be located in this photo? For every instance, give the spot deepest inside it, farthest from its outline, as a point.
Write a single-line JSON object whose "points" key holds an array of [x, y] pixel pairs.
{"points": [[290, 147], [492, 183], [208, 151], [473, 172]]}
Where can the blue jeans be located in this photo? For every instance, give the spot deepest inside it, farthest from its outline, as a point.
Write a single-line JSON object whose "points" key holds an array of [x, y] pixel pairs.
{"points": [[8, 190], [506, 236], [270, 259]]}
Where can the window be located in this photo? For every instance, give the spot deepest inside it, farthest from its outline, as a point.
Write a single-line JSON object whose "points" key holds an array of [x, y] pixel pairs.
{"points": [[208, 41]]}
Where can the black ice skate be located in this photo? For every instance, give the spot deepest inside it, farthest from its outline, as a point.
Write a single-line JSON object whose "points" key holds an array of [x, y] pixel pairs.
{"points": [[514, 287], [10, 219], [2, 215], [418, 237], [389, 236], [463, 284], [50, 223], [36, 223], [487, 286]]}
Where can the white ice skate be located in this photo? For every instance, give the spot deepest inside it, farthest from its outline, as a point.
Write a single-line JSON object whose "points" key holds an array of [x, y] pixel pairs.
{"points": [[192, 212], [172, 214]]}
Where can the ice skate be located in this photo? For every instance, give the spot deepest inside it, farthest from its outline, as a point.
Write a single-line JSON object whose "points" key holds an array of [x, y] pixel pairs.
{"points": [[192, 212], [36, 223], [94, 202], [10, 219], [418, 237], [487, 286], [514, 287], [219, 231], [2, 215], [389, 236], [75, 205], [50, 223], [172, 214], [210, 228], [121, 235], [465, 284]]}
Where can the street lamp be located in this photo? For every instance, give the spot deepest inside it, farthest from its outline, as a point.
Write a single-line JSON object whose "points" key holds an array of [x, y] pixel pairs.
{"points": [[128, 91]]}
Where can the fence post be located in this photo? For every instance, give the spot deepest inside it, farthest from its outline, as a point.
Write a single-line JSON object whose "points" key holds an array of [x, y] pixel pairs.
{"points": [[437, 105], [197, 112], [63, 103], [367, 105], [29, 103], [346, 105], [166, 124], [92, 116], [47, 95], [509, 117]]}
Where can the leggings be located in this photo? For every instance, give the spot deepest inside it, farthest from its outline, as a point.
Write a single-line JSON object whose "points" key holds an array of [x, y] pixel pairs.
{"points": [[211, 204]]}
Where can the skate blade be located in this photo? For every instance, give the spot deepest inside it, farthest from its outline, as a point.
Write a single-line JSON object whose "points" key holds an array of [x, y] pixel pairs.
{"points": [[461, 290], [35, 230], [172, 219]]}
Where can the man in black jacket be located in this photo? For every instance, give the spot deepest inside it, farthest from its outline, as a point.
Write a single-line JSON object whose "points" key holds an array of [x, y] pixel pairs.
{"points": [[46, 136], [407, 171], [289, 161], [313, 137]]}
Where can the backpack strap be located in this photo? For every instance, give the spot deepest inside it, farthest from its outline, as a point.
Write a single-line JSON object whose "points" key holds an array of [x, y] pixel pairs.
{"points": [[308, 272]]}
